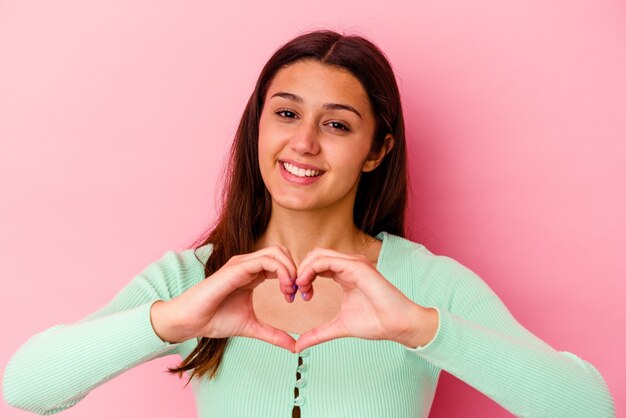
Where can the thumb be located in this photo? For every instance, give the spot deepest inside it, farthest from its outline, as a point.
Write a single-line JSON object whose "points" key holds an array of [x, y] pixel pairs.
{"points": [[273, 336], [318, 335]]}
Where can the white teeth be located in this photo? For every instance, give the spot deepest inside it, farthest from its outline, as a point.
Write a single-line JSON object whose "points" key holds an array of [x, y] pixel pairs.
{"points": [[300, 172]]}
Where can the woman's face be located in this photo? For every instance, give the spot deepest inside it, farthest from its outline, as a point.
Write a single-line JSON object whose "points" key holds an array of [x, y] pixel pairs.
{"points": [[317, 118]]}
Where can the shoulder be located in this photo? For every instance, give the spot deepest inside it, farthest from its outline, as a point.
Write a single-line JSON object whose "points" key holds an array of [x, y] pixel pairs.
{"points": [[435, 279], [176, 270]]}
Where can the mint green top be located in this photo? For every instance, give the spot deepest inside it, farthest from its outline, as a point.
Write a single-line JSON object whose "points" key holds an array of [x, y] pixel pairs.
{"points": [[478, 341]]}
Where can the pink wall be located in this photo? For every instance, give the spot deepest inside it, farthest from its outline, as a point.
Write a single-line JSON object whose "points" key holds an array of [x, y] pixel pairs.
{"points": [[115, 117]]}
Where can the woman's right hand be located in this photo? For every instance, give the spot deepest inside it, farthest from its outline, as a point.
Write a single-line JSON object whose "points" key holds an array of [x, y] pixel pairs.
{"points": [[220, 306]]}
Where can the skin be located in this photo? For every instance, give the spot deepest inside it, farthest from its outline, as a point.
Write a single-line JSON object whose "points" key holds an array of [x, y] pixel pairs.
{"points": [[311, 234], [320, 214]]}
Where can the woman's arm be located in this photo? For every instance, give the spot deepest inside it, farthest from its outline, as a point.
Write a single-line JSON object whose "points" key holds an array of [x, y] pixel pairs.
{"points": [[484, 345], [55, 369]]}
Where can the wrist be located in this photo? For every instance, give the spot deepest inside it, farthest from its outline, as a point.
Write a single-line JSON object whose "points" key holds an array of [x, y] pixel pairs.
{"points": [[422, 327], [161, 321]]}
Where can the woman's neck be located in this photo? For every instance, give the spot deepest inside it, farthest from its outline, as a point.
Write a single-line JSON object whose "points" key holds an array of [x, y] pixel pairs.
{"points": [[301, 232]]}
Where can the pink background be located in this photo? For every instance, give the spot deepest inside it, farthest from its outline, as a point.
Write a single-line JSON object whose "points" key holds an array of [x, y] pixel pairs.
{"points": [[115, 118]]}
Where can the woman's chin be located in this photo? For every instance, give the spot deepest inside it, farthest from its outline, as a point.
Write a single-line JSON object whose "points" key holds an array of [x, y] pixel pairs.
{"points": [[295, 203]]}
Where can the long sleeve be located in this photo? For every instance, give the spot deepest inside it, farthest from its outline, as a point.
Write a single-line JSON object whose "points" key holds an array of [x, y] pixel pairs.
{"points": [[481, 343], [55, 369]]}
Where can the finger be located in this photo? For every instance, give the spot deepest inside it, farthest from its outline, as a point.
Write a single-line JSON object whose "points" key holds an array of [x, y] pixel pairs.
{"points": [[246, 272], [318, 251], [280, 253], [273, 336], [305, 286], [289, 289], [294, 271], [321, 334], [307, 293], [324, 252], [290, 296], [283, 255], [322, 265]]}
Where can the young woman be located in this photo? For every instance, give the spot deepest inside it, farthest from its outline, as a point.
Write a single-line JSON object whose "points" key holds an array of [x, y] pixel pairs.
{"points": [[314, 206]]}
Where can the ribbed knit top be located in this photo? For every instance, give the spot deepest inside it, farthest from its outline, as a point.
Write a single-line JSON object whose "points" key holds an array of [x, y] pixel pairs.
{"points": [[477, 340]]}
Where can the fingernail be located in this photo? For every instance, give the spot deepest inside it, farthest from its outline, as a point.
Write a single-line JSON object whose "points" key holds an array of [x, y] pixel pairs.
{"points": [[292, 296], [295, 286], [304, 296]]}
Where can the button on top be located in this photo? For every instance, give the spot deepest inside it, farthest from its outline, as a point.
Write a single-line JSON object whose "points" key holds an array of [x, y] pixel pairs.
{"points": [[298, 401], [302, 368], [304, 353]]}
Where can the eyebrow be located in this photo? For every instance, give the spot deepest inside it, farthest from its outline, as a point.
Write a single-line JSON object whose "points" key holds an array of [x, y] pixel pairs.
{"points": [[330, 106]]}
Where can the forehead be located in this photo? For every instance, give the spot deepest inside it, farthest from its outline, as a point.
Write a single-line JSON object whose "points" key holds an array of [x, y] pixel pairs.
{"points": [[320, 83]]}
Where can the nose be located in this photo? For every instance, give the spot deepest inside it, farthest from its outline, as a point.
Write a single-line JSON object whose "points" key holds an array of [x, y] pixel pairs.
{"points": [[305, 140]]}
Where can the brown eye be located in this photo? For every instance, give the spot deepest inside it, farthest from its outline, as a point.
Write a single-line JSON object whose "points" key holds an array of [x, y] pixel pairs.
{"points": [[285, 111], [340, 126]]}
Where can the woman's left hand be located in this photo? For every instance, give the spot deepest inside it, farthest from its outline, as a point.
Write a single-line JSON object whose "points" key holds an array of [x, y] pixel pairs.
{"points": [[372, 308]]}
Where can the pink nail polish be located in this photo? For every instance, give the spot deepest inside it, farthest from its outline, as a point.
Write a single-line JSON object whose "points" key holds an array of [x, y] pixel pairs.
{"points": [[292, 296]]}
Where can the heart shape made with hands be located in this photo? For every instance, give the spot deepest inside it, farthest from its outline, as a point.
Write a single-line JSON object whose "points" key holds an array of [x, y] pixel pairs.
{"points": [[370, 306], [307, 311]]}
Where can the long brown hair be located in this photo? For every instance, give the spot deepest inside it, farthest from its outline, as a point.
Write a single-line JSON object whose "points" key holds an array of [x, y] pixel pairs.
{"points": [[245, 204]]}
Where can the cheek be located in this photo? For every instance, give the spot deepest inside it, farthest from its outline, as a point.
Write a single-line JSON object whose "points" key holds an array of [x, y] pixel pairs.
{"points": [[353, 160], [268, 149], [267, 135]]}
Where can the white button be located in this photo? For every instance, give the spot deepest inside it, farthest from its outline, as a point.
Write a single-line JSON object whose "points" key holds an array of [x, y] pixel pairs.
{"points": [[302, 368], [300, 383], [298, 401], [304, 353]]}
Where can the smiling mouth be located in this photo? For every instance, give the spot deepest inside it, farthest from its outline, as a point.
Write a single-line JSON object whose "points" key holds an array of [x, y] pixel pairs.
{"points": [[301, 172]]}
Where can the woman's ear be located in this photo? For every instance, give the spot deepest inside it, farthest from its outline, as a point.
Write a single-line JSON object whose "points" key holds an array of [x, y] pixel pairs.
{"points": [[374, 160]]}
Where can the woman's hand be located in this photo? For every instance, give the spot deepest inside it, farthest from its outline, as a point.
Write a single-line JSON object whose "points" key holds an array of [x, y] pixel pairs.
{"points": [[220, 306], [372, 308]]}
